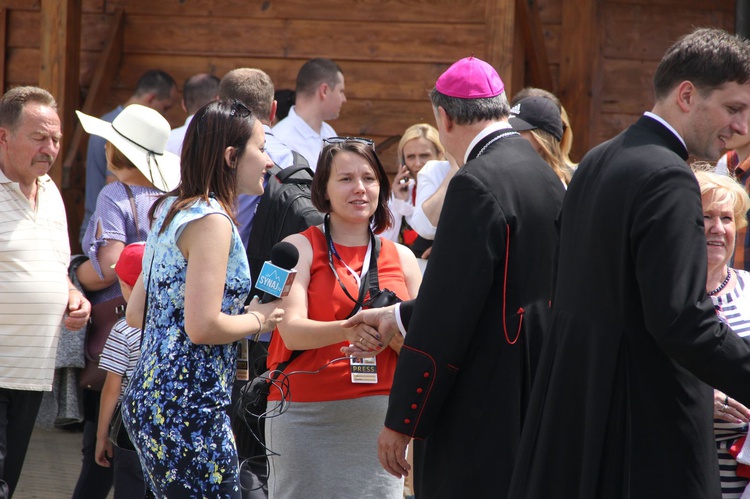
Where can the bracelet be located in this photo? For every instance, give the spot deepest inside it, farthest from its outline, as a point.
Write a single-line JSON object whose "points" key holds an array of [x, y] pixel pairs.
{"points": [[74, 289], [260, 324]]}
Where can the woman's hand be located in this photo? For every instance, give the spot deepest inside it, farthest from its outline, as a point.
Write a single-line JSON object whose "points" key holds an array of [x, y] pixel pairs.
{"points": [[365, 338], [729, 410], [400, 186], [268, 314]]}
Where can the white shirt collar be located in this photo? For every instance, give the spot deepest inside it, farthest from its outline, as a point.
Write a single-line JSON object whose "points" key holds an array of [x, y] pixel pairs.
{"points": [[491, 128], [663, 122]]}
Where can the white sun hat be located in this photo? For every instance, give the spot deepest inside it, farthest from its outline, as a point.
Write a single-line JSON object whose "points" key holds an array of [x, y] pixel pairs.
{"points": [[141, 134]]}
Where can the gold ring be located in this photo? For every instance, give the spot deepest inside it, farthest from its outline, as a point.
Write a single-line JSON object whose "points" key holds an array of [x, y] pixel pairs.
{"points": [[362, 340]]}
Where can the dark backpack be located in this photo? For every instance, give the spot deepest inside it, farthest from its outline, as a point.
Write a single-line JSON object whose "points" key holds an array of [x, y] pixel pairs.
{"points": [[285, 208]]}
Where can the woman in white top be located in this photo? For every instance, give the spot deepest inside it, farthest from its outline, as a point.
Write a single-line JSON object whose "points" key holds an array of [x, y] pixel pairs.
{"points": [[419, 144]]}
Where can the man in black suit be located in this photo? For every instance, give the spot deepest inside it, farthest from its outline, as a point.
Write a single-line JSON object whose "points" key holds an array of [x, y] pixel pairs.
{"points": [[620, 405], [463, 375]]}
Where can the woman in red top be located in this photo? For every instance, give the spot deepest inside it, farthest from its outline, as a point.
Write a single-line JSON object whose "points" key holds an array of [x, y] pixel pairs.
{"points": [[334, 406]]}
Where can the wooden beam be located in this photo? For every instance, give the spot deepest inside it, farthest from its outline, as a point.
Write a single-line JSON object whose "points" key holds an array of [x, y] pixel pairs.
{"points": [[581, 73], [74, 170], [500, 38], [519, 60], [101, 83], [3, 42], [60, 64], [534, 45]]}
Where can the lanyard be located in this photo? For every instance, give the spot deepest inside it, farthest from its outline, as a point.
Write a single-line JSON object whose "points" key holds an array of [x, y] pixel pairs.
{"points": [[370, 261]]}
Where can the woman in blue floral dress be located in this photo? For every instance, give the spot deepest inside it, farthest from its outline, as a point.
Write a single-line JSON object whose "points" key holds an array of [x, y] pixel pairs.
{"points": [[197, 277]]}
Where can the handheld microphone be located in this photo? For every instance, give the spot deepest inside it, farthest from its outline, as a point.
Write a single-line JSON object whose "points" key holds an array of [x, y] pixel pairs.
{"points": [[276, 276]]}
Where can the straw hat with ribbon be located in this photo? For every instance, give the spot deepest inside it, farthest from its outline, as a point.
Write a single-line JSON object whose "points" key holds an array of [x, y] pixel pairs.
{"points": [[141, 134]]}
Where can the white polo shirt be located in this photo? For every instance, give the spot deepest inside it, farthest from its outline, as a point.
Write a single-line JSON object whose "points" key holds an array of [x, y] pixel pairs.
{"points": [[296, 134], [34, 257]]}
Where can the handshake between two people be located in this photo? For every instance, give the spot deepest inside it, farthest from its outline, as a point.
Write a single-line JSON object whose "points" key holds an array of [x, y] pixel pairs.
{"points": [[372, 331]]}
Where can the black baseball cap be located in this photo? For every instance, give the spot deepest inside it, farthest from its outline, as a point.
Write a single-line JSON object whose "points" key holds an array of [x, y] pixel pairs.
{"points": [[537, 112]]}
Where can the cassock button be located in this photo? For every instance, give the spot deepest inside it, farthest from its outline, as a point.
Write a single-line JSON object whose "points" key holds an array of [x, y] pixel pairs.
{"points": [[426, 374], [419, 390], [407, 421], [414, 406]]}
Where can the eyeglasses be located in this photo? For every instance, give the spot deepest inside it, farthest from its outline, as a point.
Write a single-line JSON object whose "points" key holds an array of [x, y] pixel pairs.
{"points": [[341, 140], [239, 109]]}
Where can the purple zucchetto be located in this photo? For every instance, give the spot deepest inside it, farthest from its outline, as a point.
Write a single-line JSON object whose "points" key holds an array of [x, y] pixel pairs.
{"points": [[470, 78]]}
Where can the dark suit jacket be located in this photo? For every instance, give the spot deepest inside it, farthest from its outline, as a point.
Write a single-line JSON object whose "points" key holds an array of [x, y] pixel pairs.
{"points": [[460, 384], [618, 407]]}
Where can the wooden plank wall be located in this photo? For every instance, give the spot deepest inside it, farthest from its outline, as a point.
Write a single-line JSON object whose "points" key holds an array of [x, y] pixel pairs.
{"points": [[635, 35], [391, 51]]}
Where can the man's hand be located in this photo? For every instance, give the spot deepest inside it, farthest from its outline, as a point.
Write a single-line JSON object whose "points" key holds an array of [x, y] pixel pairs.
{"points": [[392, 452], [384, 319], [79, 310]]}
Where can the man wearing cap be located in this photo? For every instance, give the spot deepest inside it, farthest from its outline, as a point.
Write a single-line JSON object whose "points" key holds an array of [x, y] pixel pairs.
{"points": [[463, 375], [622, 404], [35, 291]]}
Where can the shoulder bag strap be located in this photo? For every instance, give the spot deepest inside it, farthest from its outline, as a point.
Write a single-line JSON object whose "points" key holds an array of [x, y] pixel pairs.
{"points": [[145, 305], [131, 197]]}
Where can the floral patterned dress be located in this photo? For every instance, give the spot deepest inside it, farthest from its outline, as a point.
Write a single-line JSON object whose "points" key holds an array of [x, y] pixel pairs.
{"points": [[175, 406]]}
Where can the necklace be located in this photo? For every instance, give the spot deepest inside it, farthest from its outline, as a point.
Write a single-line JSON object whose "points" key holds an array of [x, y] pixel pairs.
{"points": [[501, 136], [722, 285]]}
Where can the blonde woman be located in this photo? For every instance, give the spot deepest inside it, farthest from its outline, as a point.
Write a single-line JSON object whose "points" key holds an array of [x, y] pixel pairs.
{"points": [[566, 142], [419, 145], [725, 203], [538, 120]]}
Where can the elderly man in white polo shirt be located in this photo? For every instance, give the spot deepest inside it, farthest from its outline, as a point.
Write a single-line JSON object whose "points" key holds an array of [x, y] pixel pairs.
{"points": [[35, 291]]}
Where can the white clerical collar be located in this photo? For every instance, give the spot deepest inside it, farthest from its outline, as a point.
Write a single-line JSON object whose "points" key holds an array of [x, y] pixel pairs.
{"points": [[491, 128], [667, 125]]}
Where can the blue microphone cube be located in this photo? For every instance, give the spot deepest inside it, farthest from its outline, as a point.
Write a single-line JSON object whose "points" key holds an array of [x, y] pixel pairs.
{"points": [[275, 280]]}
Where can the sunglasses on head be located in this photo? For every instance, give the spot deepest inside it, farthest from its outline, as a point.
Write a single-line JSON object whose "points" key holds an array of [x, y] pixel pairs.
{"points": [[340, 140], [239, 109]]}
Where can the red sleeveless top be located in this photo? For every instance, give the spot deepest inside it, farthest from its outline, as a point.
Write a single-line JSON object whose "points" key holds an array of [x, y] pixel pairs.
{"points": [[327, 302]]}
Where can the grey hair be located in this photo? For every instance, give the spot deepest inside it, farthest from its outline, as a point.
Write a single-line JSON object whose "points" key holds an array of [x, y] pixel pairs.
{"points": [[468, 111]]}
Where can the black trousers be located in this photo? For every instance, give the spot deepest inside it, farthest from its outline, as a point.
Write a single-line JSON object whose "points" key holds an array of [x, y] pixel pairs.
{"points": [[94, 481], [18, 411], [129, 482]]}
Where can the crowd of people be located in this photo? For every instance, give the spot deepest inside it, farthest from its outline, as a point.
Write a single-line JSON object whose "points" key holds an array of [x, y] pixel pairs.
{"points": [[566, 310]]}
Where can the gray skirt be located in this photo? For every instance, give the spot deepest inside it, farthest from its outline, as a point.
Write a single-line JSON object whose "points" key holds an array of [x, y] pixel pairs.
{"points": [[329, 450]]}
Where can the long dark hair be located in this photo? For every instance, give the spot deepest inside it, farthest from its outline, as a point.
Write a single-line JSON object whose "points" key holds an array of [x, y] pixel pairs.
{"points": [[203, 168], [382, 218]]}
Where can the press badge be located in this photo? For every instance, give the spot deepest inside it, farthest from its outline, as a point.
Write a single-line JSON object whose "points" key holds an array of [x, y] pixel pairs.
{"points": [[364, 370], [243, 371]]}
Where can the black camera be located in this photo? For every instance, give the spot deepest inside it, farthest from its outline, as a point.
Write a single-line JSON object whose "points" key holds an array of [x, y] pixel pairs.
{"points": [[383, 298]]}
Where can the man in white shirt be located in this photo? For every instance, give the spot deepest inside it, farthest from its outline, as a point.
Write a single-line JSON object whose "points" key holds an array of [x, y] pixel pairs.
{"points": [[35, 291], [198, 91], [320, 95]]}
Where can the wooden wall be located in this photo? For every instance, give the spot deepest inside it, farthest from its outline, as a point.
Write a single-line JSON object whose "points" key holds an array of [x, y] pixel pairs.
{"points": [[601, 54], [634, 36]]}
